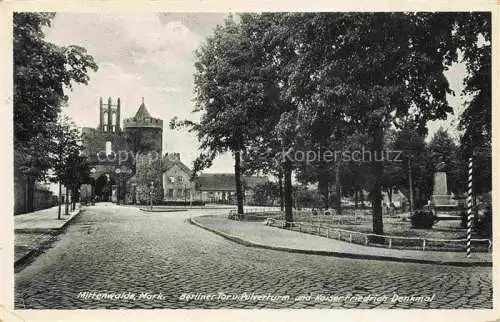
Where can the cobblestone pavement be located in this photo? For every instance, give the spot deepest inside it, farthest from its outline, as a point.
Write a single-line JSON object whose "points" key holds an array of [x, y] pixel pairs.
{"points": [[153, 260]]}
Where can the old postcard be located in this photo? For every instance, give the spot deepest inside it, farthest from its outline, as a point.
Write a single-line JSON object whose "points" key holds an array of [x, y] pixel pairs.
{"points": [[240, 159]]}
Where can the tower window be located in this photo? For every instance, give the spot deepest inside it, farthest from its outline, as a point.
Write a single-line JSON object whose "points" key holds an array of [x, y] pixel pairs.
{"points": [[108, 147]]}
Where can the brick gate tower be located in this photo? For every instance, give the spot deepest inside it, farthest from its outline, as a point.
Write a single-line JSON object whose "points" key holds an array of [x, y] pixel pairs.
{"points": [[145, 138], [124, 158]]}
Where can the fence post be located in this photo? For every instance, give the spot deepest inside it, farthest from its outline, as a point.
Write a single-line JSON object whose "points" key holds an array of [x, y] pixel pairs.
{"points": [[327, 230], [423, 244], [489, 246], [366, 239], [390, 242], [350, 237]]}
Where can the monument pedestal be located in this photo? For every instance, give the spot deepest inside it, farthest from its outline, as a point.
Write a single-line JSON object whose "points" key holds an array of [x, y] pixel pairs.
{"points": [[443, 200]]}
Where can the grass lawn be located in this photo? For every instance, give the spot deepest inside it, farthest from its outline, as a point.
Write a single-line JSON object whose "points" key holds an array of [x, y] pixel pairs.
{"points": [[394, 226]]}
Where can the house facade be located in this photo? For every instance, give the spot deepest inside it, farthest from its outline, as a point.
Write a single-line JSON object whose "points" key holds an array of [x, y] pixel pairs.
{"points": [[177, 184]]}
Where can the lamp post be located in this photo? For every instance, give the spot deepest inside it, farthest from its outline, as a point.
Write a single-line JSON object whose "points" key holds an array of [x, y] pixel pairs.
{"points": [[118, 187], [92, 187]]}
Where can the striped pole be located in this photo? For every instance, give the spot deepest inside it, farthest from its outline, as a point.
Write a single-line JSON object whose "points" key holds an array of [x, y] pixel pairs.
{"points": [[470, 215]]}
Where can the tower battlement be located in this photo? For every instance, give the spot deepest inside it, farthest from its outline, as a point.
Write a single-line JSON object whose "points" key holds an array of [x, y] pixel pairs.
{"points": [[143, 119], [109, 116]]}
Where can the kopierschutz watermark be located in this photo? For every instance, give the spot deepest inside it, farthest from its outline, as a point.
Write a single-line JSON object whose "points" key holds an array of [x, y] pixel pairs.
{"points": [[124, 156], [362, 155]]}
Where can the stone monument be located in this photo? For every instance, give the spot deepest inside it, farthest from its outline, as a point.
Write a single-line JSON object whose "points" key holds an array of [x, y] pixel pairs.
{"points": [[440, 195]]}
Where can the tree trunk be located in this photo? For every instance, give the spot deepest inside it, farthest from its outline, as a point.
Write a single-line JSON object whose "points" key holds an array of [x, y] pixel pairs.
{"points": [[362, 198], [30, 192], [66, 206], [59, 202], [237, 176], [280, 182], [377, 172], [25, 208], [323, 181], [389, 195], [73, 198], [323, 190], [356, 198], [288, 192], [338, 205]]}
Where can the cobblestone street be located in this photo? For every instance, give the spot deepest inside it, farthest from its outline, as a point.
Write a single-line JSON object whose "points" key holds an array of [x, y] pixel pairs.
{"points": [[158, 258]]}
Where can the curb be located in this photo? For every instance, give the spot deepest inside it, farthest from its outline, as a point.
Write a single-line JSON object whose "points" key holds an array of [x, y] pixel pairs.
{"points": [[53, 231], [50, 230], [164, 210], [338, 254]]}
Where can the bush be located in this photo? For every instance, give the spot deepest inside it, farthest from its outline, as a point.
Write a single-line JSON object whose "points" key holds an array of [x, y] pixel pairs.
{"points": [[483, 220], [463, 219], [423, 219]]}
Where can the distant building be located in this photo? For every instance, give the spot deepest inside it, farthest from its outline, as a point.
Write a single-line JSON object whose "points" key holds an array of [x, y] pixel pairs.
{"points": [[221, 187], [128, 165], [177, 182]]}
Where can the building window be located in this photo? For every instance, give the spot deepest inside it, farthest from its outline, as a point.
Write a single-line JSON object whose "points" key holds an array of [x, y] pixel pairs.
{"points": [[180, 192], [179, 179], [170, 193], [171, 179], [108, 147]]}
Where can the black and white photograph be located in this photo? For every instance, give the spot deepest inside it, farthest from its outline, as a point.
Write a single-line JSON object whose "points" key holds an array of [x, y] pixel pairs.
{"points": [[252, 160]]}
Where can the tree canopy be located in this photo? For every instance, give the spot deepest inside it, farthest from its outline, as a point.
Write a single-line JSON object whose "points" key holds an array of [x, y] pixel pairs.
{"points": [[281, 81], [43, 72]]}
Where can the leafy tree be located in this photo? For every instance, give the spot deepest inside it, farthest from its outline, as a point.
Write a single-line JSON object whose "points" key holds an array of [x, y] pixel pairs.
{"points": [[77, 173], [262, 156], [63, 150], [266, 193], [473, 37], [149, 178], [375, 68], [410, 141], [42, 72], [231, 91]]}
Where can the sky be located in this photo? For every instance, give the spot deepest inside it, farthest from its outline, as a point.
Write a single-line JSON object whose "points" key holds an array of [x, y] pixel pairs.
{"points": [[151, 55]]}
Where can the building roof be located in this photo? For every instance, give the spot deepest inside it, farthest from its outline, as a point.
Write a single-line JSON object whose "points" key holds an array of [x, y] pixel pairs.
{"points": [[142, 112], [226, 182], [168, 164]]}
